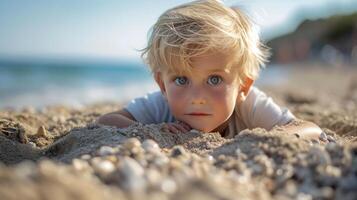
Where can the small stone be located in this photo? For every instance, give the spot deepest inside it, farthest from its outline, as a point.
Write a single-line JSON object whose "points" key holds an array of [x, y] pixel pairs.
{"points": [[153, 176], [105, 151], [177, 151], [333, 171], [85, 157], [32, 144], [209, 158], [161, 160], [42, 132], [332, 147], [132, 143], [318, 156], [264, 165], [80, 165], [112, 158], [303, 196], [331, 139], [323, 136], [22, 135], [25, 169], [284, 172], [168, 186], [150, 146], [133, 173], [103, 167], [240, 155], [326, 193], [349, 183]]}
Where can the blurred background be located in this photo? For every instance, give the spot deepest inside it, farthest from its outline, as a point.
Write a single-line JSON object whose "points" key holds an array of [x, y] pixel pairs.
{"points": [[79, 52]]}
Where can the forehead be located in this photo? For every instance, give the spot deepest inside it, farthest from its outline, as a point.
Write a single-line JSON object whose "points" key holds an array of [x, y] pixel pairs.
{"points": [[207, 62], [211, 62]]}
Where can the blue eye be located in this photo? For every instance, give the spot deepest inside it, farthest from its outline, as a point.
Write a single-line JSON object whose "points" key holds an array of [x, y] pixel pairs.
{"points": [[181, 80], [214, 80]]}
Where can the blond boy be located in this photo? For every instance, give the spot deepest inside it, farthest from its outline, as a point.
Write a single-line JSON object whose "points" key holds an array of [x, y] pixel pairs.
{"points": [[205, 57]]}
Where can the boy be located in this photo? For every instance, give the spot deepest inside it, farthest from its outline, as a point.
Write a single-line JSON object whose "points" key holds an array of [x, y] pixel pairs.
{"points": [[205, 57]]}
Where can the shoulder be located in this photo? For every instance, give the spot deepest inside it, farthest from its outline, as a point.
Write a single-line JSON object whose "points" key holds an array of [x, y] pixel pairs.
{"points": [[149, 97], [260, 110], [254, 96], [255, 93], [150, 108]]}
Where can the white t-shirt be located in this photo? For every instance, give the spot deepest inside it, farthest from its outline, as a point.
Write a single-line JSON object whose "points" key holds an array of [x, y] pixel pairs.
{"points": [[258, 110]]}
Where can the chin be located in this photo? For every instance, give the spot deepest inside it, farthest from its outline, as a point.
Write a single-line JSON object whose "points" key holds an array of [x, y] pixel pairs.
{"points": [[200, 128], [203, 129]]}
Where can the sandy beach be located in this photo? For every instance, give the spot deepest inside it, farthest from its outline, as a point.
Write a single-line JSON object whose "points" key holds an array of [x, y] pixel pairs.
{"points": [[59, 153]]}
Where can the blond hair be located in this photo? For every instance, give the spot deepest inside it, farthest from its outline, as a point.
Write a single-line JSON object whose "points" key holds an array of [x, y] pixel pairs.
{"points": [[196, 28]]}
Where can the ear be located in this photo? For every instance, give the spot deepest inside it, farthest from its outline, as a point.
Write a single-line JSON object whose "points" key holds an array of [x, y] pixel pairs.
{"points": [[247, 84], [160, 82]]}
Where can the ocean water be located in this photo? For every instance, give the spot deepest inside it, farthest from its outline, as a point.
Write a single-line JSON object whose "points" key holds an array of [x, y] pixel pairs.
{"points": [[39, 83]]}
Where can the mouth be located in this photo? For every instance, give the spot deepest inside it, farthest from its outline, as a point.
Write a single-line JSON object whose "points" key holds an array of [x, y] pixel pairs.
{"points": [[198, 114]]}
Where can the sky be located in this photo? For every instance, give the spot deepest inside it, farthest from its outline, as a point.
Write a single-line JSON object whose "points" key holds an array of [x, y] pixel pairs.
{"points": [[114, 29]]}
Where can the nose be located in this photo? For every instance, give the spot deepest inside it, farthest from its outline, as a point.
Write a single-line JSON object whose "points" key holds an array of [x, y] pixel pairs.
{"points": [[197, 97], [198, 101]]}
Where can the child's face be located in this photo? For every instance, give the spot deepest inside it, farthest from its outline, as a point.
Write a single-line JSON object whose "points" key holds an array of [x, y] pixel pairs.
{"points": [[204, 99]]}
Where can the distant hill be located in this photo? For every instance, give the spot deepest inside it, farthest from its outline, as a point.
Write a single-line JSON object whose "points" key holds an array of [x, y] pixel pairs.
{"points": [[331, 40]]}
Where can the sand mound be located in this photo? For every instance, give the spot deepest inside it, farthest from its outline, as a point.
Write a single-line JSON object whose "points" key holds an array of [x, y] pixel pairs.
{"points": [[143, 162]]}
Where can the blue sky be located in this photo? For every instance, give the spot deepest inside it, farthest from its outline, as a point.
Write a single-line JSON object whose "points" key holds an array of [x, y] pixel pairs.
{"points": [[114, 29]]}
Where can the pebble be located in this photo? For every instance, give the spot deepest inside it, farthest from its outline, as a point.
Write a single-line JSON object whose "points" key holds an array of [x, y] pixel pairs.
{"points": [[318, 156], [323, 137], [333, 171], [85, 157], [303, 196], [105, 151], [103, 167], [331, 139], [349, 183], [161, 160], [209, 158], [132, 143], [177, 151], [240, 155], [41, 131], [32, 144], [80, 165], [284, 172], [25, 169], [332, 147], [265, 165], [150, 146], [153, 176], [168, 186], [133, 173], [194, 131]]}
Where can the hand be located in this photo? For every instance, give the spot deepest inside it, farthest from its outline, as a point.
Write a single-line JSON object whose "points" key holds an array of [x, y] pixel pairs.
{"points": [[176, 127]]}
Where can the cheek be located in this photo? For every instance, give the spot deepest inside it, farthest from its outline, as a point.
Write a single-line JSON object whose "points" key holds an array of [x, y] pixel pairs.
{"points": [[175, 97], [225, 98]]}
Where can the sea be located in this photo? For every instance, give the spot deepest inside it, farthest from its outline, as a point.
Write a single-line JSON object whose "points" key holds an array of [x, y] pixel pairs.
{"points": [[41, 83]]}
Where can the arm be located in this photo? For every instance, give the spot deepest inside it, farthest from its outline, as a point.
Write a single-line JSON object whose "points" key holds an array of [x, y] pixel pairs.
{"points": [[119, 119], [302, 129], [123, 118]]}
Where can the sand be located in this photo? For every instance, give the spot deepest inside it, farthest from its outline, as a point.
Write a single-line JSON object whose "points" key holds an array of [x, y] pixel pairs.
{"points": [[59, 153]]}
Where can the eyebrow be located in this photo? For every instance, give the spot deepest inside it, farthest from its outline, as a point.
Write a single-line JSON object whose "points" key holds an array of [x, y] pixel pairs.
{"points": [[220, 70], [171, 73]]}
